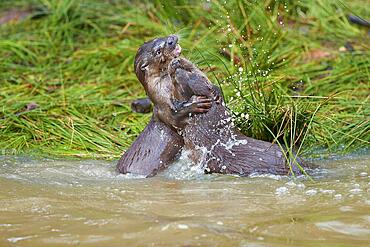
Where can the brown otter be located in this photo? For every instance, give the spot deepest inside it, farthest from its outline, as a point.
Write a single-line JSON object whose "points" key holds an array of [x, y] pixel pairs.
{"points": [[159, 143], [179, 90], [213, 140], [154, 149]]}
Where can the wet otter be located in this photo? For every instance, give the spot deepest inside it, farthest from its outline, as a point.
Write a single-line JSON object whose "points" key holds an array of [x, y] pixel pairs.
{"points": [[153, 150], [179, 91], [212, 139], [159, 143]]}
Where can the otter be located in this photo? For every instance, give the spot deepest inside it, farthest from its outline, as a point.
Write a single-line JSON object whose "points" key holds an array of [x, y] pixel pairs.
{"points": [[190, 112], [159, 143], [212, 139]]}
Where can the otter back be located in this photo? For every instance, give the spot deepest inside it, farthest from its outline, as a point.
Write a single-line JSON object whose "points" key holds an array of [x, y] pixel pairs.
{"points": [[154, 149]]}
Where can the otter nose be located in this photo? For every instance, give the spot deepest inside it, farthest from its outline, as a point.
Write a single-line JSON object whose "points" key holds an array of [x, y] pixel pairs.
{"points": [[172, 40]]}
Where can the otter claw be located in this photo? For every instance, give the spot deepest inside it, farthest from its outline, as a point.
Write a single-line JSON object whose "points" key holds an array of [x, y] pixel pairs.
{"points": [[201, 104], [196, 104], [218, 99]]}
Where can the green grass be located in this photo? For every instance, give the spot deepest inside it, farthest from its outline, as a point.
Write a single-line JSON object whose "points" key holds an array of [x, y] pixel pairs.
{"points": [[279, 63]]}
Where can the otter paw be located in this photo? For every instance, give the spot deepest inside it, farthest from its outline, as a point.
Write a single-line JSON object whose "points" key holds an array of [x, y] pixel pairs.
{"points": [[200, 104], [217, 97]]}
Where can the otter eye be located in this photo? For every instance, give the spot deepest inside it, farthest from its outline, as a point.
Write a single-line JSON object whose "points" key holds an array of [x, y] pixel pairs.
{"points": [[158, 52]]}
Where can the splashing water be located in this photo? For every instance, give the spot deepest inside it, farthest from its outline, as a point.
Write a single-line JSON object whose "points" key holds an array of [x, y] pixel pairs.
{"points": [[184, 168]]}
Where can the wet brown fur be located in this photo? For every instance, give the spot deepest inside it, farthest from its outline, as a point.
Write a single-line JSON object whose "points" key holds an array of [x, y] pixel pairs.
{"points": [[212, 138], [159, 143], [177, 89]]}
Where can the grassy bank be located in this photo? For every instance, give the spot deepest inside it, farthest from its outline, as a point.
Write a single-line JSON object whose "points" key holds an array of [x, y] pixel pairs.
{"points": [[296, 72]]}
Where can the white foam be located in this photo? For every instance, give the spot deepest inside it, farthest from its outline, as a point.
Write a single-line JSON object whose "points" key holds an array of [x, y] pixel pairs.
{"points": [[184, 168], [281, 191]]}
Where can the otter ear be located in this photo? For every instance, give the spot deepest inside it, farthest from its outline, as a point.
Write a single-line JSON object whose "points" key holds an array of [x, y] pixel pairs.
{"points": [[144, 66]]}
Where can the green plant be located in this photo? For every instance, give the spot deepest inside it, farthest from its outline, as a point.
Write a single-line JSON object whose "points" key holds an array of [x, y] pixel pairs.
{"points": [[278, 62]]}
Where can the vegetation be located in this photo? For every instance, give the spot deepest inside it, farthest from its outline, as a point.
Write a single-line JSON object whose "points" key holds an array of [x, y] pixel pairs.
{"points": [[295, 72]]}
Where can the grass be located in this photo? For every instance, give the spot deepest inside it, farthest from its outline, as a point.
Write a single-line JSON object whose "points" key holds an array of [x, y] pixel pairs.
{"points": [[282, 66]]}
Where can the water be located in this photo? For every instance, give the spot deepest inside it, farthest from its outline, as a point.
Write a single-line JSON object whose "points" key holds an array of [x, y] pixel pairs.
{"points": [[86, 203]]}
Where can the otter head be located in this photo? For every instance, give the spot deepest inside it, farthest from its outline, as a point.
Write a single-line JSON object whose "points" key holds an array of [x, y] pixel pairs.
{"points": [[153, 57]]}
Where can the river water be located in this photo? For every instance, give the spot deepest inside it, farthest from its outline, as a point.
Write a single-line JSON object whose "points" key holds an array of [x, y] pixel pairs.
{"points": [[86, 203]]}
